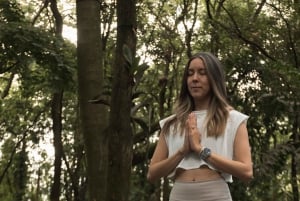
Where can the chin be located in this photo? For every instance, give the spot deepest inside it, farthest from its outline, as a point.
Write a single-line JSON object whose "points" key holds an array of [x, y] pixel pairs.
{"points": [[198, 98]]}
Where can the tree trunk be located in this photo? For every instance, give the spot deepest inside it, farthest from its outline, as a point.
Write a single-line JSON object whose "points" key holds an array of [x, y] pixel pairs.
{"points": [[294, 164], [57, 128], [56, 112], [296, 126], [93, 117], [21, 173], [120, 135]]}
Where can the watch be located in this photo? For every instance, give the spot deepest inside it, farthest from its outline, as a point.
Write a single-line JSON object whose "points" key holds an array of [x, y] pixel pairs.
{"points": [[205, 153]]}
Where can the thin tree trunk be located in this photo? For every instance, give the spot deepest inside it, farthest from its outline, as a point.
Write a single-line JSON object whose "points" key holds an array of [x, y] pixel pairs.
{"points": [[20, 174], [57, 128], [294, 162], [120, 135], [296, 126], [56, 112]]}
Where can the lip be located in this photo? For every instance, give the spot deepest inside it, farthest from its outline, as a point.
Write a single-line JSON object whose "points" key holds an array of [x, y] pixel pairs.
{"points": [[195, 89]]}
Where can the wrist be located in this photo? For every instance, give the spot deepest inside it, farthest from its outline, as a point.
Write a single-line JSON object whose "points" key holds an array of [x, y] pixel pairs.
{"points": [[181, 152], [199, 149], [205, 153]]}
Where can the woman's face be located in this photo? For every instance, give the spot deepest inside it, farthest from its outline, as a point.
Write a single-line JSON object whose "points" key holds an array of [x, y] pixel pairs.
{"points": [[197, 82]]}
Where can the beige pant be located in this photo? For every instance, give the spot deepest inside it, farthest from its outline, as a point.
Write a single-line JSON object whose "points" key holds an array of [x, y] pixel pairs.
{"points": [[215, 190]]}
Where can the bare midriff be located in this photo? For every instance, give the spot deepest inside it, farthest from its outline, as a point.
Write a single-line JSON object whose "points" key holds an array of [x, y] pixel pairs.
{"points": [[203, 173]]}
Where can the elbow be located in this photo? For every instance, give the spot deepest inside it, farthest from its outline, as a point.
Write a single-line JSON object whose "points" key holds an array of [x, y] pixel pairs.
{"points": [[150, 178], [247, 176], [152, 175]]}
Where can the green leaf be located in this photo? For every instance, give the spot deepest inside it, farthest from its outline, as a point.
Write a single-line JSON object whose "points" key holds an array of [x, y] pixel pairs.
{"points": [[127, 54]]}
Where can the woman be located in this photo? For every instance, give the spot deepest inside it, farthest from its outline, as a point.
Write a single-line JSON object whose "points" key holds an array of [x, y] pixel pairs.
{"points": [[206, 141]]}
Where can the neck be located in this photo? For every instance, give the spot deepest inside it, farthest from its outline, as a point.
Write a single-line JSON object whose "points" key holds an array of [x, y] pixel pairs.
{"points": [[201, 105]]}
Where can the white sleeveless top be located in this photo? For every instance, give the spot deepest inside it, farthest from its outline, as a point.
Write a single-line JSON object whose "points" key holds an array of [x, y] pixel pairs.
{"points": [[223, 145]]}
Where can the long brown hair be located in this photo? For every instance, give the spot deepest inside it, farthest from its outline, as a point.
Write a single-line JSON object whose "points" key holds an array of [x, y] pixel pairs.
{"points": [[218, 110]]}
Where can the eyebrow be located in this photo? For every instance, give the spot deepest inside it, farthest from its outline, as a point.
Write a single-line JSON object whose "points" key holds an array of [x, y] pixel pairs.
{"points": [[199, 69]]}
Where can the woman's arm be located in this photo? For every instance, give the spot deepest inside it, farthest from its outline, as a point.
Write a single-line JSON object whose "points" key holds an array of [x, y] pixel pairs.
{"points": [[241, 165], [161, 165]]}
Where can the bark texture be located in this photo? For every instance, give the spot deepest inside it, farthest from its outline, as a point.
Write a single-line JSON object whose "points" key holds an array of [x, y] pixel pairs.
{"points": [[120, 135], [90, 79]]}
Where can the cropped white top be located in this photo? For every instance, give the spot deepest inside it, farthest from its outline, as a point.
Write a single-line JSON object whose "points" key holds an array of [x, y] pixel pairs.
{"points": [[222, 145]]}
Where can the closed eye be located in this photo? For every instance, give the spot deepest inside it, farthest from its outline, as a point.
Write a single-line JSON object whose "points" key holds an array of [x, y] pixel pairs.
{"points": [[201, 71]]}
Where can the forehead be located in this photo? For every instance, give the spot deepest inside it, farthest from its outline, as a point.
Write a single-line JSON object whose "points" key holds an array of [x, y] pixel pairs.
{"points": [[197, 63]]}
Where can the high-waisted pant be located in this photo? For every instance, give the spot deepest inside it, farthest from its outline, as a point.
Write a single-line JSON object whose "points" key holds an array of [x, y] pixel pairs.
{"points": [[215, 190]]}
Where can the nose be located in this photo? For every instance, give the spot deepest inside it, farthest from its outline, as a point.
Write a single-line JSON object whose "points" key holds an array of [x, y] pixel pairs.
{"points": [[195, 77]]}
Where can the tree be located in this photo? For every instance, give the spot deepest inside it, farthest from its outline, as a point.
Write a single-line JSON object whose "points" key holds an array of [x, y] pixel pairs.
{"points": [[120, 132], [93, 117]]}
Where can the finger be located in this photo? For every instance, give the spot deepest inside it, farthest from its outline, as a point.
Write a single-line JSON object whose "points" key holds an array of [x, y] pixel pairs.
{"points": [[187, 123], [186, 141], [193, 118]]}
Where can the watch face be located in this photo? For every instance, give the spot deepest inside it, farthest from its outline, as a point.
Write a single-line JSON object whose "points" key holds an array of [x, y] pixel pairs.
{"points": [[206, 153]]}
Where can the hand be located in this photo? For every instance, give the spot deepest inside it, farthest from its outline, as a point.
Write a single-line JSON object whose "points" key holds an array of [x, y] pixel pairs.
{"points": [[194, 135], [186, 146]]}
